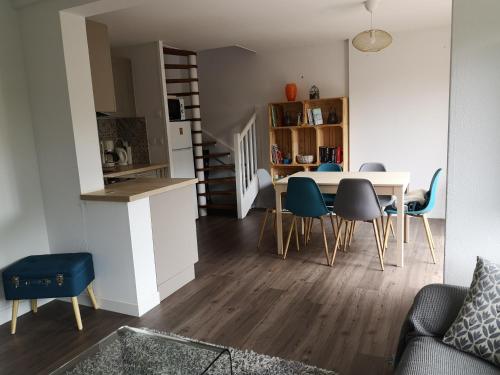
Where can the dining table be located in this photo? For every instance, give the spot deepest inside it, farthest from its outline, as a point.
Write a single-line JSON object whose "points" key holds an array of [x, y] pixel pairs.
{"points": [[384, 183]]}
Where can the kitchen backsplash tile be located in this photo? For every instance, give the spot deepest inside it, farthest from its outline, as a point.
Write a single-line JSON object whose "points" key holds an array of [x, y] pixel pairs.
{"points": [[131, 130]]}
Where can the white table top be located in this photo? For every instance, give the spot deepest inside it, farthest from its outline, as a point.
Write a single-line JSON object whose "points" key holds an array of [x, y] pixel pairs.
{"points": [[333, 178]]}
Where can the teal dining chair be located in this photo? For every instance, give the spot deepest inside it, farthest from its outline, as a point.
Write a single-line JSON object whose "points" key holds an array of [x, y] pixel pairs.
{"points": [[329, 198], [421, 212], [304, 200]]}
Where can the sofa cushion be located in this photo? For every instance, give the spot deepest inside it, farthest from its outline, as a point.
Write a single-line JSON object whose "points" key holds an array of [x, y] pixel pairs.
{"points": [[429, 356], [476, 329]]}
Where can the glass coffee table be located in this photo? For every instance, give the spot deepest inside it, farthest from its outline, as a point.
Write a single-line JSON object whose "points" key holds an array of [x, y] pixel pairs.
{"points": [[138, 351]]}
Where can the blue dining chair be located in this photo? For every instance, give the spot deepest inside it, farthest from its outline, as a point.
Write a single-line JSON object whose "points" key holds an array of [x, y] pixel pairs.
{"points": [[304, 200], [421, 212], [329, 167], [329, 198]]}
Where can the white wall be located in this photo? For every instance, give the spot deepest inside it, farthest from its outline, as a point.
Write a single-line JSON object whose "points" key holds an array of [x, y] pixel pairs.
{"points": [[22, 222], [399, 107], [473, 209], [233, 81]]}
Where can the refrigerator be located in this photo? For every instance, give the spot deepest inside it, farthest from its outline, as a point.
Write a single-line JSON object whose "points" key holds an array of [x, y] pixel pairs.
{"points": [[181, 149], [181, 162]]}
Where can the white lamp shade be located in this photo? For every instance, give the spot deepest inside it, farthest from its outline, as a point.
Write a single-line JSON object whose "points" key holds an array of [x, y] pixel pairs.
{"points": [[372, 40]]}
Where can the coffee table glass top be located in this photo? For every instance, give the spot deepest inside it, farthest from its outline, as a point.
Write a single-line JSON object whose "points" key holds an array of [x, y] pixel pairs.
{"points": [[139, 351]]}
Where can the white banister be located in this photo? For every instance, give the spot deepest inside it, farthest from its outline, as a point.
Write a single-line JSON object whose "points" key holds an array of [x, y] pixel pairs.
{"points": [[245, 157]]}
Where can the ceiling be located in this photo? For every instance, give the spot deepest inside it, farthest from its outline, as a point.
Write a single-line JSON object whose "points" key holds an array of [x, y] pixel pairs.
{"points": [[264, 24]]}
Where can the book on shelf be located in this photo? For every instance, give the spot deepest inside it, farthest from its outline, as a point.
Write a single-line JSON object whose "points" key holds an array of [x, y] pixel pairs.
{"points": [[276, 154], [310, 119], [317, 116], [273, 116]]}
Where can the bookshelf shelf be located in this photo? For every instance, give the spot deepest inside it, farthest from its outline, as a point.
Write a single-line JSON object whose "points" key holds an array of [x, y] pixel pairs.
{"points": [[306, 138]]}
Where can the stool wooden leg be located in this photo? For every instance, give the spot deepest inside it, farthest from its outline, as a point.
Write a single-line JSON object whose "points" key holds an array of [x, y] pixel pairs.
{"points": [[90, 291], [13, 323], [76, 309], [34, 305]]}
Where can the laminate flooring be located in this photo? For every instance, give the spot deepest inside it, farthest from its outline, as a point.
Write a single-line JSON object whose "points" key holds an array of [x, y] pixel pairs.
{"points": [[346, 317]]}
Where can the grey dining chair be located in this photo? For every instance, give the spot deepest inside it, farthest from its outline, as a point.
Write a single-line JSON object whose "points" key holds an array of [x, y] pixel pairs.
{"points": [[265, 199], [356, 200], [385, 200]]}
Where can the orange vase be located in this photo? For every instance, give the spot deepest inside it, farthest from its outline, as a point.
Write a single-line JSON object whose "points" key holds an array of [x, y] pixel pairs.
{"points": [[291, 92]]}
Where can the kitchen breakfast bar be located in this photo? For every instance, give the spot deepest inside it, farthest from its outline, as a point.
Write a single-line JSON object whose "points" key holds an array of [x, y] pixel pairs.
{"points": [[142, 235]]}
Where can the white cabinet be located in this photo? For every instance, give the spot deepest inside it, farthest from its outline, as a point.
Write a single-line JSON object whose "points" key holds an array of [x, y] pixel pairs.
{"points": [[101, 67], [174, 236]]}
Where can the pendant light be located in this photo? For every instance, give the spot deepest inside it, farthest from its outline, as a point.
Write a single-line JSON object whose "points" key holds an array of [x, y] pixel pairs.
{"points": [[372, 40]]}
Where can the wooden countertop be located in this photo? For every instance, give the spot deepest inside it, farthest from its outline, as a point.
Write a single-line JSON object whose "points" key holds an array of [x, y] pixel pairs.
{"points": [[139, 188], [126, 170]]}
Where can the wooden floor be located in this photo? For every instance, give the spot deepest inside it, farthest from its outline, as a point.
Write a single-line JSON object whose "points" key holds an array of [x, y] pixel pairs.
{"points": [[345, 318]]}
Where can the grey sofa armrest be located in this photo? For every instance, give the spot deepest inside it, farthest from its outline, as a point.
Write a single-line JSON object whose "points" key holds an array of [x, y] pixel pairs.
{"points": [[434, 309]]}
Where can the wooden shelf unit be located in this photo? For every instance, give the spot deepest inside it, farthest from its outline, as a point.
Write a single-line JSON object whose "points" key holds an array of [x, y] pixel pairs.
{"points": [[305, 139]]}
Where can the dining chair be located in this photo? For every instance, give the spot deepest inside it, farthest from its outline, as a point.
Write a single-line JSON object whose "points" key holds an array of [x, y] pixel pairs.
{"points": [[357, 201], [304, 200], [265, 199], [385, 200], [421, 212], [329, 198]]}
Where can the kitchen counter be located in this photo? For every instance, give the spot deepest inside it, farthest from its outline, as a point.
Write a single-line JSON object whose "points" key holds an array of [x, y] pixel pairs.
{"points": [[136, 189], [120, 171]]}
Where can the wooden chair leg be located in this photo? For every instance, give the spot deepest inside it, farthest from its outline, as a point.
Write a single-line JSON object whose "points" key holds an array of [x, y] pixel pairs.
{"points": [[388, 223], [76, 309], [262, 227], [351, 232], [296, 233], [337, 240], [311, 222], [289, 237], [377, 240], [306, 229], [346, 235], [392, 229], [13, 323], [90, 291], [325, 242], [429, 237], [34, 306], [334, 229]]}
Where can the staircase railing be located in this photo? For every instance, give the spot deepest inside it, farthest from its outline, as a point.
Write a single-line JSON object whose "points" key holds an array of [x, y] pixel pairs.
{"points": [[245, 160]]}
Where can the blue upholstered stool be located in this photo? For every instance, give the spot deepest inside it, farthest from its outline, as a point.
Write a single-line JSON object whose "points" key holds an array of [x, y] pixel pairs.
{"points": [[49, 276]]}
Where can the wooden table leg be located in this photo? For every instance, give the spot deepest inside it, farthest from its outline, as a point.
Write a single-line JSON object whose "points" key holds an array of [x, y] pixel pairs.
{"points": [[34, 306], [400, 227], [279, 223]]}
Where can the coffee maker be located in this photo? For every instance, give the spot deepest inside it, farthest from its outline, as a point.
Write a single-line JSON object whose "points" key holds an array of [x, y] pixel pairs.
{"points": [[108, 154]]}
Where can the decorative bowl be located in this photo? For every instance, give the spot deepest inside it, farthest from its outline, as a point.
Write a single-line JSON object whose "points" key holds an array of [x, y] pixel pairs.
{"points": [[305, 159]]}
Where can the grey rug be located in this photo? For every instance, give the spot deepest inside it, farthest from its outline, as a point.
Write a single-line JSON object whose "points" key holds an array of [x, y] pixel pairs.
{"points": [[145, 355]]}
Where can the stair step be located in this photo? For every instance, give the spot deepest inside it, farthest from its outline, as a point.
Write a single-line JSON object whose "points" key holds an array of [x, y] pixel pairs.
{"points": [[218, 192], [181, 80], [191, 93], [218, 181], [214, 155], [177, 52], [191, 106], [208, 143], [215, 167], [227, 206], [193, 119], [180, 66]]}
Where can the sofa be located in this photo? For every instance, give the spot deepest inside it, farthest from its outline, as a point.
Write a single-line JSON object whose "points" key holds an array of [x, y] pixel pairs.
{"points": [[421, 350]]}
